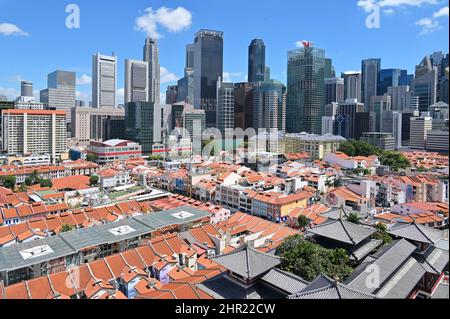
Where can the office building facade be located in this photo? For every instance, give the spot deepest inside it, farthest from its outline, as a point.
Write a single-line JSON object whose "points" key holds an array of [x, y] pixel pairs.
{"points": [[256, 61], [136, 81], [151, 56], [104, 72], [369, 80]]}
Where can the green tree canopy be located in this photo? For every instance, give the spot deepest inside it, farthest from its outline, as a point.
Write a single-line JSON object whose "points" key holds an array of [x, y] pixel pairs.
{"points": [[354, 218], [93, 180], [308, 260], [66, 228], [91, 158], [45, 182], [8, 181], [302, 221]]}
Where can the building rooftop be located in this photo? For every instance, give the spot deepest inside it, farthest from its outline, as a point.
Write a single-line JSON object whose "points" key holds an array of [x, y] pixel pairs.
{"points": [[65, 244], [416, 232]]}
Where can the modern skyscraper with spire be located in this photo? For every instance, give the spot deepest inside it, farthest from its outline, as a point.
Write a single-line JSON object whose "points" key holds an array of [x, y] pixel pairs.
{"points": [[151, 56]]}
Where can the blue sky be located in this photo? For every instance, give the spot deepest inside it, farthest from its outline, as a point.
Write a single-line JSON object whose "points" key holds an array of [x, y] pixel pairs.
{"points": [[35, 41]]}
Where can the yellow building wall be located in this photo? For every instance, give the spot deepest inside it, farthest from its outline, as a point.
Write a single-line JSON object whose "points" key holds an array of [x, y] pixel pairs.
{"points": [[287, 208]]}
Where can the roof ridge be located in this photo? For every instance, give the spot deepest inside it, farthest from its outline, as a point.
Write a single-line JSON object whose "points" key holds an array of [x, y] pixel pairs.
{"points": [[346, 231]]}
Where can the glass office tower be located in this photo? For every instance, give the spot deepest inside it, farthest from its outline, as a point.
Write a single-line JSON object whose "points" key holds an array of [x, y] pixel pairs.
{"points": [[256, 61], [306, 89]]}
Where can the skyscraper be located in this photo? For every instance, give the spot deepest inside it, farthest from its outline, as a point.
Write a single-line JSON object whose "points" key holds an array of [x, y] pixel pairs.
{"points": [[26, 88], [143, 124], [243, 105], [151, 56], [104, 72], [334, 90], [225, 108], [378, 104], [391, 122], [424, 85], [136, 81], [256, 61], [208, 67], [400, 96], [60, 93], [185, 85], [392, 78], [352, 85], [306, 89], [269, 106], [171, 94], [369, 79]]}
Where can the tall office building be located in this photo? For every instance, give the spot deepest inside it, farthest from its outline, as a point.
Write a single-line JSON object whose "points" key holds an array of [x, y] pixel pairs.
{"points": [[208, 67], [171, 94], [136, 81], [185, 85], [401, 97], [392, 78], [143, 124], [256, 61], [369, 80], [266, 73], [391, 122], [345, 118], [352, 85], [334, 90], [61, 92], [92, 124], [378, 104], [225, 108], [419, 128], [243, 105], [306, 89], [151, 56], [424, 85], [26, 88], [34, 132], [104, 72], [269, 106]]}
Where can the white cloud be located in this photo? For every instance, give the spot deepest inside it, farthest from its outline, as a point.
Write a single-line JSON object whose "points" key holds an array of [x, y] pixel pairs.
{"points": [[9, 29], [174, 20], [166, 76], [10, 93], [443, 12], [120, 96], [428, 25], [84, 79], [368, 5], [83, 96], [389, 11], [231, 76]]}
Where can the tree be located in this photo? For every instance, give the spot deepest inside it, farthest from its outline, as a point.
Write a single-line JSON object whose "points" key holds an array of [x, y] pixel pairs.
{"points": [[29, 181], [347, 148], [308, 260], [45, 182], [302, 222], [394, 160], [8, 181], [382, 233], [65, 228], [91, 158], [354, 218], [93, 180], [23, 188]]}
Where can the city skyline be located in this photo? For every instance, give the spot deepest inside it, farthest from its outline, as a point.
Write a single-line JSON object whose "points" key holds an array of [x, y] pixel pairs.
{"points": [[72, 56]]}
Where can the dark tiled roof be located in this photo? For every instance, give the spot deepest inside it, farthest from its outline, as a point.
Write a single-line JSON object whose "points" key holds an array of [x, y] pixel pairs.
{"points": [[324, 287], [285, 281], [248, 262], [343, 231], [416, 232]]}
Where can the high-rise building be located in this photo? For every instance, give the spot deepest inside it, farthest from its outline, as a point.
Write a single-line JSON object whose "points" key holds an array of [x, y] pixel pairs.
{"points": [[419, 128], [369, 80], [334, 90], [266, 73], [90, 124], [392, 78], [194, 122], [185, 85], [171, 94], [384, 141], [345, 121], [151, 56], [243, 105], [406, 125], [208, 67], [225, 108], [391, 122], [256, 61], [26, 88], [136, 81], [143, 124], [424, 85], [269, 106], [306, 89], [61, 92], [401, 97], [378, 104], [104, 72], [34, 132], [352, 85], [438, 141]]}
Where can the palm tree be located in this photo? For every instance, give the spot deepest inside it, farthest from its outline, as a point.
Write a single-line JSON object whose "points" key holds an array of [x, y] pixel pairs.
{"points": [[354, 218]]}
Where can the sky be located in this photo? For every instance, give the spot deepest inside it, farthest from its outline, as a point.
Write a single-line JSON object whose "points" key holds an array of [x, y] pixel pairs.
{"points": [[35, 38]]}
